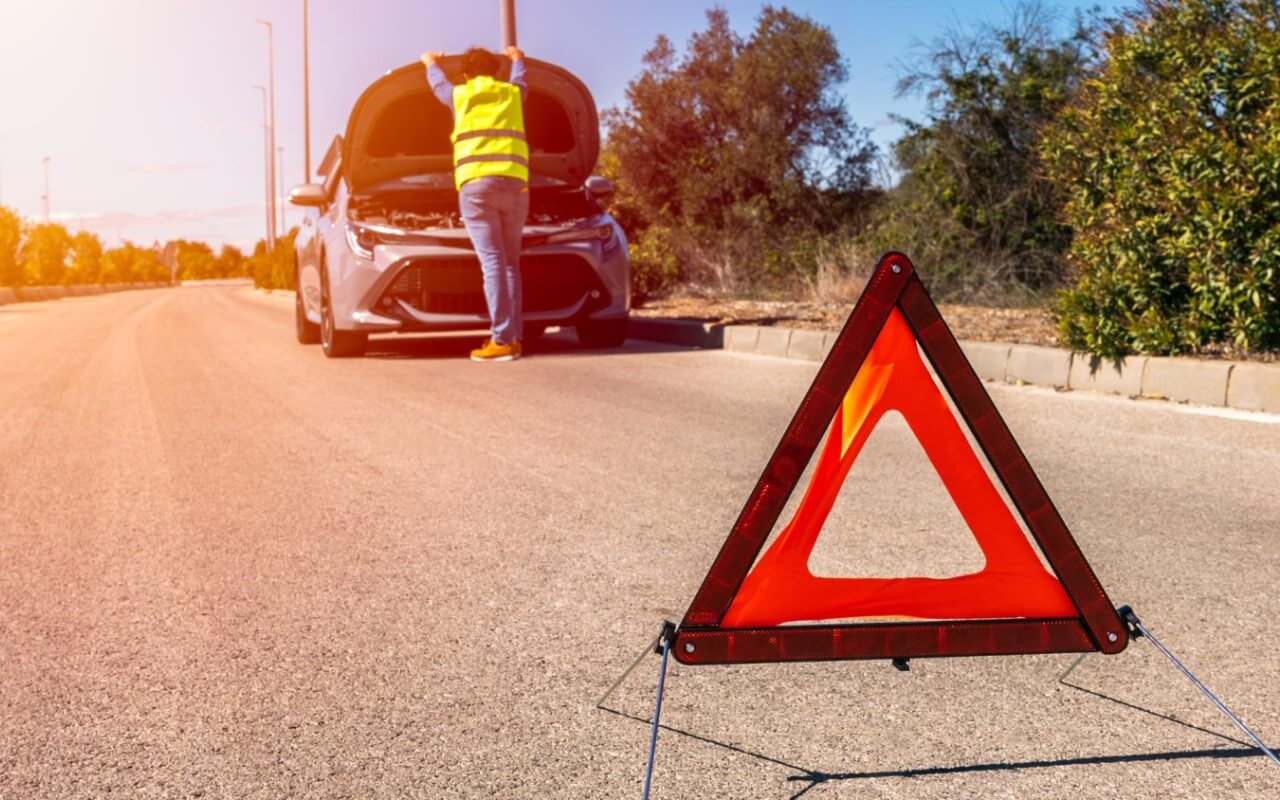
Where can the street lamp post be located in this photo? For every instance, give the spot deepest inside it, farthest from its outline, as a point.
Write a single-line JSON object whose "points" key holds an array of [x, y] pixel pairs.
{"points": [[45, 197], [306, 98], [284, 229], [3, 136], [271, 146], [266, 168], [507, 17]]}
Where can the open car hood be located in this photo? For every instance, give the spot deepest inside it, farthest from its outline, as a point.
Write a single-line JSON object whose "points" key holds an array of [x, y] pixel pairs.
{"points": [[398, 128]]}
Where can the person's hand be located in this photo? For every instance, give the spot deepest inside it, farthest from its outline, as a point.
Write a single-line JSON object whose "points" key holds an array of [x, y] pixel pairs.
{"points": [[514, 53], [432, 57]]}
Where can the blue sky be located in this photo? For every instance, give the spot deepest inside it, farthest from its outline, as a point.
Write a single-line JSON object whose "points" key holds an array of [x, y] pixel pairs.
{"points": [[147, 111]]}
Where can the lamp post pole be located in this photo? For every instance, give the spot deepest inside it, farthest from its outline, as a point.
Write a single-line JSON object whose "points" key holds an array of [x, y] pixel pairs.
{"points": [[306, 97], [271, 145], [507, 15], [3, 136], [284, 229], [266, 168], [45, 197]]}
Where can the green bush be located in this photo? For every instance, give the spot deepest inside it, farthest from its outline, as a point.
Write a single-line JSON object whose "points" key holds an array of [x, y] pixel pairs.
{"points": [[274, 269], [1171, 159]]}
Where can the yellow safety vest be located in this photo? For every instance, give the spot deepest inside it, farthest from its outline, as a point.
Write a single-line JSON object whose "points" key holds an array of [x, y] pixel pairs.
{"points": [[488, 131]]}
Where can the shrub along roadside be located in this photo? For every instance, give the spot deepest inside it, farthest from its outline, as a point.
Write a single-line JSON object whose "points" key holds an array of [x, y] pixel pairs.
{"points": [[1171, 158]]}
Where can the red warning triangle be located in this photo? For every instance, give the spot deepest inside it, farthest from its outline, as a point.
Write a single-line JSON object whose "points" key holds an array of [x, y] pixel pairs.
{"points": [[748, 604]]}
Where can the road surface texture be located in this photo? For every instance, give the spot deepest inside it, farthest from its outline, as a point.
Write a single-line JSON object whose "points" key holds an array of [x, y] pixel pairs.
{"points": [[235, 569]]}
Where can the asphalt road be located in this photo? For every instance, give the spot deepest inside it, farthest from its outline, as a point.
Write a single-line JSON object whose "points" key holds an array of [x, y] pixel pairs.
{"points": [[232, 568]]}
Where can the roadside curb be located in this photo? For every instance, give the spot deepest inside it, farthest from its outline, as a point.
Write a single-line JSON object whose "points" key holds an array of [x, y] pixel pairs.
{"points": [[35, 294], [1243, 385]]}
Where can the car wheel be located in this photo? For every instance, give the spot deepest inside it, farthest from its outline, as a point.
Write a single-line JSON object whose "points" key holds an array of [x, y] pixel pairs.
{"points": [[307, 331], [336, 343], [596, 333]]}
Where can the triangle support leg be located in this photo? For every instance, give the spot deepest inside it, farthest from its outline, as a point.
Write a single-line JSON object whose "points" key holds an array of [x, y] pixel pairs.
{"points": [[1140, 631], [654, 646], [665, 639]]}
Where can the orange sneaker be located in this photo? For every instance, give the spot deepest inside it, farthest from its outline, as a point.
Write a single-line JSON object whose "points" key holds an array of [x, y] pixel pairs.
{"points": [[492, 351]]}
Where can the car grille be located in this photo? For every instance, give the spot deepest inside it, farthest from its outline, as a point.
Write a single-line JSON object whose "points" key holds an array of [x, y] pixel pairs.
{"points": [[454, 285]]}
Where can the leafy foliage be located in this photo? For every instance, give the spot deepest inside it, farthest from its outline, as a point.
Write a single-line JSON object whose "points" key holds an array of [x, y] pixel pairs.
{"points": [[130, 263], [972, 205], [45, 250], [1171, 161], [275, 269], [86, 258], [727, 155], [10, 241]]}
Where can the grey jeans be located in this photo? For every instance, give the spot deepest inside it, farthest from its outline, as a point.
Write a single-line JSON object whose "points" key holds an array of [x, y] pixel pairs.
{"points": [[494, 209]]}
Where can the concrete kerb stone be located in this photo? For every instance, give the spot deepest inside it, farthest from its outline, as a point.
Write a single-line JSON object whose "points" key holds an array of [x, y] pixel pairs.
{"points": [[686, 333], [1187, 380], [989, 359], [741, 338], [1255, 387], [1095, 374], [1044, 366], [773, 342], [1247, 386], [806, 345]]}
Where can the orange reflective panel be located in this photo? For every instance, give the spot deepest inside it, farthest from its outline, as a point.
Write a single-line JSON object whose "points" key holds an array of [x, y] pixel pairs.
{"points": [[1013, 584]]}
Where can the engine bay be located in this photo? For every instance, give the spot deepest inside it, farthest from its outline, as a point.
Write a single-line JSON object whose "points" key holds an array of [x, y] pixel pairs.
{"points": [[415, 205]]}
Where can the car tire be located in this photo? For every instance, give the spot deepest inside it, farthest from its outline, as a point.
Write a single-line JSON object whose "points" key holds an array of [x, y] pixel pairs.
{"points": [[602, 333], [307, 331], [336, 343]]}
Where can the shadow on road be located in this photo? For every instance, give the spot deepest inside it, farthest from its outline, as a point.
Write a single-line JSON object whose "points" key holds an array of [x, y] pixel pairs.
{"points": [[818, 778], [560, 345], [812, 778]]}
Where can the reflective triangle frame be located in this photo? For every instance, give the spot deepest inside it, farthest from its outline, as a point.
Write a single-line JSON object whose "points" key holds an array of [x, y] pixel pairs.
{"points": [[701, 638]]}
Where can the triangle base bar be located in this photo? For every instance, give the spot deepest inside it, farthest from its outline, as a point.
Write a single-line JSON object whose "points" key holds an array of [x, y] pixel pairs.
{"points": [[881, 640]]}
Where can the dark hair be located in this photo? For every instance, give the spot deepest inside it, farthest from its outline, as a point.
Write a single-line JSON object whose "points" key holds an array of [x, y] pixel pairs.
{"points": [[478, 61]]}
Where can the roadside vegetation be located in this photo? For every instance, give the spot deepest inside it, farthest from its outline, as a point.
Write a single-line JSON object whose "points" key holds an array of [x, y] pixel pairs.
{"points": [[1122, 174], [47, 254], [1119, 177]]}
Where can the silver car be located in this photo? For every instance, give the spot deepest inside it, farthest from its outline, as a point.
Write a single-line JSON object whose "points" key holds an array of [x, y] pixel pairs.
{"points": [[385, 250]]}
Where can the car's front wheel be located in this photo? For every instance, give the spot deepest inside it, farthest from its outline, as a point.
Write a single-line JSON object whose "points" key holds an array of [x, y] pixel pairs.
{"points": [[307, 331], [336, 343], [597, 333]]}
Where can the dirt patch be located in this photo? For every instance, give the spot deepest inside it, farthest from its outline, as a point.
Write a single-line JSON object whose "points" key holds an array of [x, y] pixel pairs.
{"points": [[1022, 325]]}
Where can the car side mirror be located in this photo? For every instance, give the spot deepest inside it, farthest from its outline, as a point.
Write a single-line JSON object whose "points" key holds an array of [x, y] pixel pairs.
{"points": [[307, 194], [599, 188]]}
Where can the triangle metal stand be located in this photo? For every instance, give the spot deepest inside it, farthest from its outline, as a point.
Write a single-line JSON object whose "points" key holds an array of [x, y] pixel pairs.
{"points": [[662, 646], [1139, 631]]}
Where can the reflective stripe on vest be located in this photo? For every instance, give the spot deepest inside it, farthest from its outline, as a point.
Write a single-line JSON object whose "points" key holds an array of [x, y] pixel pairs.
{"points": [[488, 131]]}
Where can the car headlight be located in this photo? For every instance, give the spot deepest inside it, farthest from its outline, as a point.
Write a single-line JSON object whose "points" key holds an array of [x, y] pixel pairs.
{"points": [[601, 233], [361, 240]]}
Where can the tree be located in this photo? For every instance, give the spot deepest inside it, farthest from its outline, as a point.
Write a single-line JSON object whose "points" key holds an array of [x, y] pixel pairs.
{"points": [[195, 260], [10, 241], [729, 153], [230, 262], [972, 203], [86, 258], [130, 263], [45, 249], [275, 269], [1171, 160]]}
